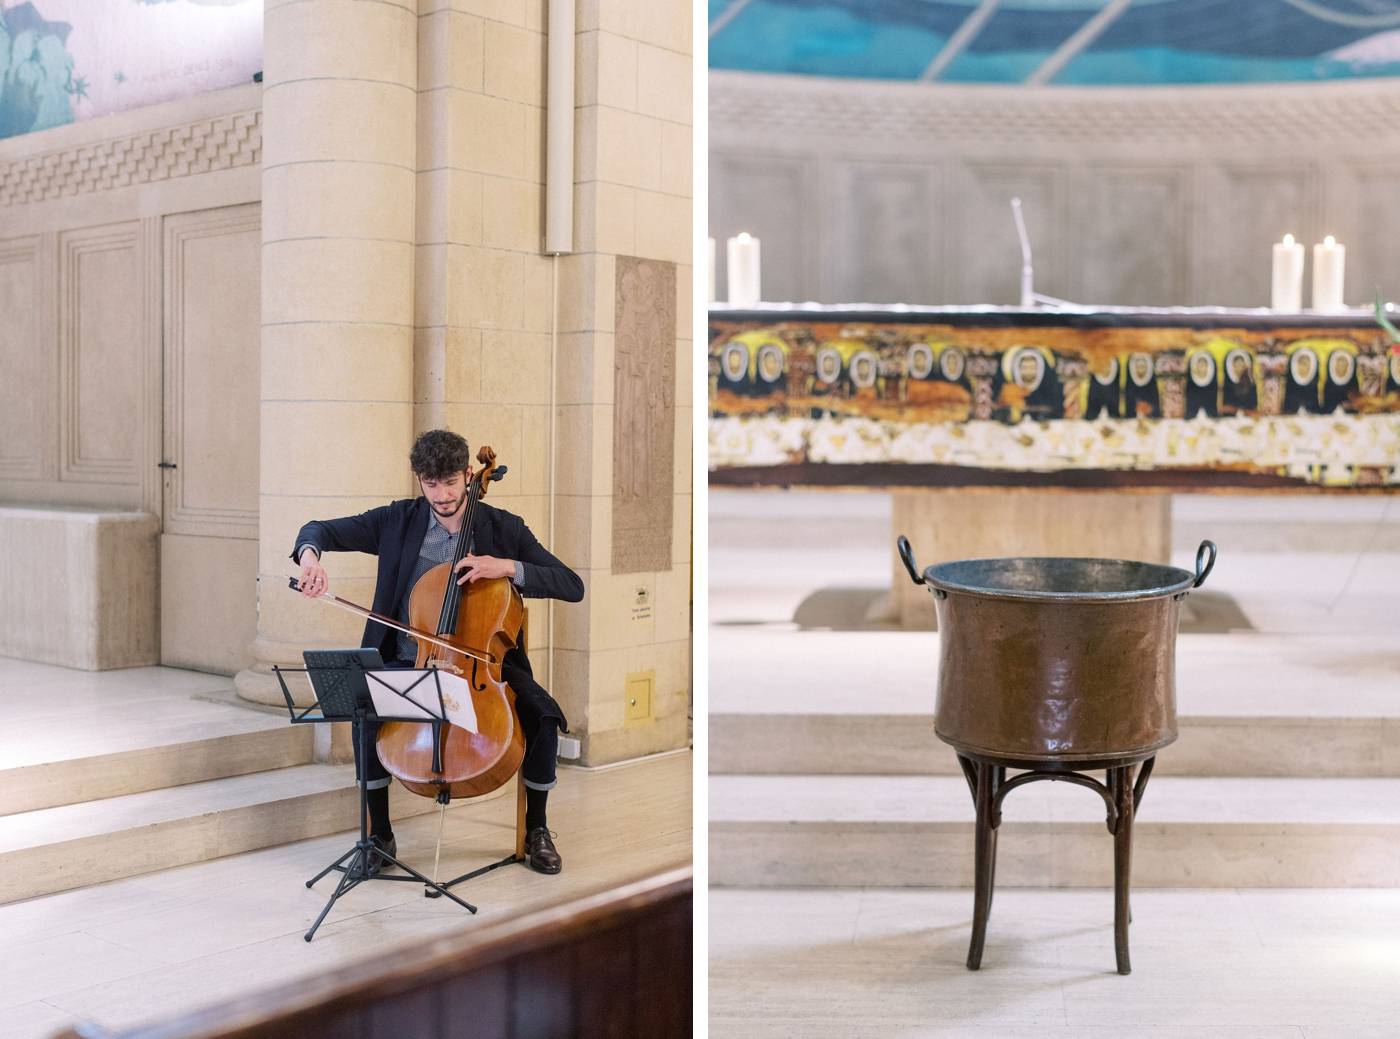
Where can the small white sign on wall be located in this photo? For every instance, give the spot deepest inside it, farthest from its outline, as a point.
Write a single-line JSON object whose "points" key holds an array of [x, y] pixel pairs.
{"points": [[642, 603]]}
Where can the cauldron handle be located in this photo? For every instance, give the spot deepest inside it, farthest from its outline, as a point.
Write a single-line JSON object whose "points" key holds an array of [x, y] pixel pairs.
{"points": [[907, 554], [1201, 575]]}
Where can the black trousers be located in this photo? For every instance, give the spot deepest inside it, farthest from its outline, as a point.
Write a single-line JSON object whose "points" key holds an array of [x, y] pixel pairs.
{"points": [[540, 721]]}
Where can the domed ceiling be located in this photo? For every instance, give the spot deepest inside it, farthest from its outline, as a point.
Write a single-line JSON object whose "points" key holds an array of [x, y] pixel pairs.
{"points": [[1060, 42]]}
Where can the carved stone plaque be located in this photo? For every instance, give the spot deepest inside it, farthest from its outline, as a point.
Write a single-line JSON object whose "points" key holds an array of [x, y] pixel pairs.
{"points": [[644, 418]]}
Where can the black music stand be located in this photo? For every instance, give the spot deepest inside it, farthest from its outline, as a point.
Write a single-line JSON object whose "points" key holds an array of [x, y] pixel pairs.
{"points": [[340, 680]]}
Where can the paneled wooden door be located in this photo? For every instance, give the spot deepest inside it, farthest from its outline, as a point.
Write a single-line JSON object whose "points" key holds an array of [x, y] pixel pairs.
{"points": [[209, 535]]}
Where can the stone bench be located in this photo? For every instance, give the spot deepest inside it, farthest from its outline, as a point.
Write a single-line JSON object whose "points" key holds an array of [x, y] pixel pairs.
{"points": [[79, 587]]}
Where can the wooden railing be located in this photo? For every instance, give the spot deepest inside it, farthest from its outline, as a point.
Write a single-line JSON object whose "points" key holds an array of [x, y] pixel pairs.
{"points": [[614, 964]]}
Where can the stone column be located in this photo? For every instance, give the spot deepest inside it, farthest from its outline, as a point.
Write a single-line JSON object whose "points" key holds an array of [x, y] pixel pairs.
{"points": [[623, 418], [339, 116]]}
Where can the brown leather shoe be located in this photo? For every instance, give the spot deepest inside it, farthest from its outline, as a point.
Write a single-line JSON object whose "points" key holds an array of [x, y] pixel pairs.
{"points": [[540, 853]]}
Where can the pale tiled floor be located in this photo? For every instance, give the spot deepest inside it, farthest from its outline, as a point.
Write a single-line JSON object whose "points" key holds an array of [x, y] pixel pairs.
{"points": [[1318, 580], [148, 946], [1237, 964]]}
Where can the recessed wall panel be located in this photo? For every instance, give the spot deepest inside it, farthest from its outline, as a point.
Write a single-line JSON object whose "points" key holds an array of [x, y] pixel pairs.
{"points": [[985, 250], [767, 197], [101, 351], [24, 417], [211, 372], [1134, 229], [887, 251]]}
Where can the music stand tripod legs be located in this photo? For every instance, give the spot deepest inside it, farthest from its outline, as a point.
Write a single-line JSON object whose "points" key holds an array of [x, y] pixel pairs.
{"points": [[518, 855], [354, 864]]}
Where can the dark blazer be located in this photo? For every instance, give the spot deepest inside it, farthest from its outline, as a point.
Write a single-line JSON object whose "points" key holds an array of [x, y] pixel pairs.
{"points": [[395, 533]]}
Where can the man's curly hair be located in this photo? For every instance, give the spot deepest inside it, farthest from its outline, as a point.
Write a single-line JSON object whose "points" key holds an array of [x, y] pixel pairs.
{"points": [[439, 453]]}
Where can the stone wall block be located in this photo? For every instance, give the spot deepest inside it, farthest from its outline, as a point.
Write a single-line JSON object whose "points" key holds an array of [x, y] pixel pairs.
{"points": [[606, 70], [673, 601], [664, 78], [515, 61], [584, 522], [316, 200], [449, 207], [451, 50], [570, 684], [432, 293], [336, 361], [80, 587], [497, 425], [534, 450], [515, 367], [537, 292], [486, 288], [512, 214], [681, 529], [321, 39], [488, 134], [365, 458], [628, 149], [663, 227], [677, 151], [317, 120], [446, 363], [661, 24], [282, 516], [605, 218], [587, 292], [584, 452], [338, 280]]}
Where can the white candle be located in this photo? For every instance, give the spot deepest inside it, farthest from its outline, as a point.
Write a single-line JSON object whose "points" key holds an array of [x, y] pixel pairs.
{"points": [[712, 269], [1329, 264], [1288, 276], [744, 288]]}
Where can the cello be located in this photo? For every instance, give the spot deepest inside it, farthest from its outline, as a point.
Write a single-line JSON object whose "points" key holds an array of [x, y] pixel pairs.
{"points": [[482, 621], [466, 629]]}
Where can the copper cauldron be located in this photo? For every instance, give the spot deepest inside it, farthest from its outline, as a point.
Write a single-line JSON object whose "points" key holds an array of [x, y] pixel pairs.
{"points": [[1050, 661], [1057, 666]]}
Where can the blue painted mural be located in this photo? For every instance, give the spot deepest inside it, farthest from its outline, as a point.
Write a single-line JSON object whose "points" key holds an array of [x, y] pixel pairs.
{"points": [[37, 88], [66, 60], [1134, 43]]}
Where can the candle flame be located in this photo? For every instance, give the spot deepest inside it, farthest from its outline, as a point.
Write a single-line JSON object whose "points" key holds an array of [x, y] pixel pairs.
{"points": [[1288, 239], [1329, 241], [744, 236]]}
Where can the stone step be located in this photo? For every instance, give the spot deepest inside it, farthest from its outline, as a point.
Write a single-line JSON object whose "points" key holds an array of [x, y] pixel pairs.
{"points": [[55, 849], [192, 742], [917, 831], [862, 702], [905, 744]]}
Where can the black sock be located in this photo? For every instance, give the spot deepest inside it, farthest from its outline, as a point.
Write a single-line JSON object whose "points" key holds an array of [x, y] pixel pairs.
{"points": [[379, 824], [534, 808]]}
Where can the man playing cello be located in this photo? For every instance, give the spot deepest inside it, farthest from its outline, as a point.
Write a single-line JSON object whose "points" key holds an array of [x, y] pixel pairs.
{"points": [[410, 537]]}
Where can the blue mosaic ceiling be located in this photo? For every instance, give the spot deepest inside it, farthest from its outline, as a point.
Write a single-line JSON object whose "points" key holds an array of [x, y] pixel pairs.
{"points": [[1067, 42]]}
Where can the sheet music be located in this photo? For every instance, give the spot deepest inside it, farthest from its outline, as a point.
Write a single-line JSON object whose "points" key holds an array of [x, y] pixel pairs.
{"points": [[408, 693]]}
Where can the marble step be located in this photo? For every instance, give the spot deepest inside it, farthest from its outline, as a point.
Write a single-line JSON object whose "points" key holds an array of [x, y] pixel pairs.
{"points": [[1251, 704], [55, 849], [905, 744], [917, 831], [205, 742]]}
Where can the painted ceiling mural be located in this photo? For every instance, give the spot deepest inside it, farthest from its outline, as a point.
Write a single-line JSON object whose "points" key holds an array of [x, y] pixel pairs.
{"points": [[62, 61], [1063, 42]]}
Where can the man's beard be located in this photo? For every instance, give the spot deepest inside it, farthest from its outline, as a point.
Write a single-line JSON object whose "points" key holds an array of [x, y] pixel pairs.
{"points": [[451, 508]]}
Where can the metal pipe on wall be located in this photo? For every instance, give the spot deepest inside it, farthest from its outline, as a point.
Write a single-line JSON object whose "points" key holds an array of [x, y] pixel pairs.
{"points": [[559, 133], [558, 221]]}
